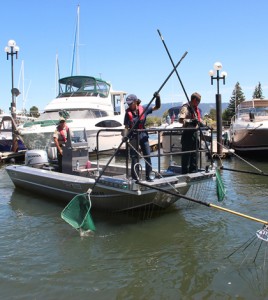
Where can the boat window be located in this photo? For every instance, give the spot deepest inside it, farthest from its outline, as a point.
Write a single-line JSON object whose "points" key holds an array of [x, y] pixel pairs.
{"points": [[258, 111], [102, 88], [108, 124], [83, 86]]}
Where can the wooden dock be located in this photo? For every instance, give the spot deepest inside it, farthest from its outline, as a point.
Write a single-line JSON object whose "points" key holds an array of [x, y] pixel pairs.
{"points": [[6, 157]]}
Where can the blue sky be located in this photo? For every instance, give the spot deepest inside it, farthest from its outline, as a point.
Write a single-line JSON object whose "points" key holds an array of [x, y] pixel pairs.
{"points": [[120, 43]]}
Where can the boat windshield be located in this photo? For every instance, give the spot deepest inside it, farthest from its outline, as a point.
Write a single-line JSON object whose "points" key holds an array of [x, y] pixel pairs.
{"points": [[80, 86], [75, 114], [258, 111]]}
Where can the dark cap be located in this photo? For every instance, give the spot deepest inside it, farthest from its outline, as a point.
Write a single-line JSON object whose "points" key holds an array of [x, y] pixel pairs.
{"points": [[196, 96], [131, 98]]}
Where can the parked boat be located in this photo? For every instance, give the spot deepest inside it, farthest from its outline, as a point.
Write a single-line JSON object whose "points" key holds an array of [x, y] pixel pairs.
{"points": [[171, 136], [86, 102], [109, 185], [7, 139], [249, 126], [171, 139]]}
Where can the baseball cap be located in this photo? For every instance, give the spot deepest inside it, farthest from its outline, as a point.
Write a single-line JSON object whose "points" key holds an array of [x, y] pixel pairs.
{"points": [[131, 98], [61, 120]]}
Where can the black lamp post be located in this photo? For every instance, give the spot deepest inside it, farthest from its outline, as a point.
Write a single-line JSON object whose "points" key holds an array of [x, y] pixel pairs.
{"points": [[12, 49], [218, 67]]}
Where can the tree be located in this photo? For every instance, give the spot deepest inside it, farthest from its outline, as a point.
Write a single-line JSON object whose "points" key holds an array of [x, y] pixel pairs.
{"points": [[212, 114], [257, 94], [236, 98], [34, 112], [153, 121]]}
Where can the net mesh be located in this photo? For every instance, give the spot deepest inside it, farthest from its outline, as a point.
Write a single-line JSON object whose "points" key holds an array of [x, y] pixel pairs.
{"points": [[221, 191], [77, 213]]}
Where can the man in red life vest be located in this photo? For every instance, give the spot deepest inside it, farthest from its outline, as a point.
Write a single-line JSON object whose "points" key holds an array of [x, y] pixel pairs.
{"points": [[135, 116], [60, 139], [190, 117]]}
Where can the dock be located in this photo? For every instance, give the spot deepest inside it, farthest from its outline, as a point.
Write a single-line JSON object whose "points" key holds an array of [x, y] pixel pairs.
{"points": [[225, 152], [6, 157]]}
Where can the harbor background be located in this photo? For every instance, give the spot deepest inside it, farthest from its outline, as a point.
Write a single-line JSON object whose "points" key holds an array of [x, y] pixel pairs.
{"points": [[179, 254]]}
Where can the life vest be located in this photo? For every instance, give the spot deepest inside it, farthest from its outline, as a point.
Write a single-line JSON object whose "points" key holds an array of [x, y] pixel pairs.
{"points": [[194, 115], [62, 133], [141, 116]]}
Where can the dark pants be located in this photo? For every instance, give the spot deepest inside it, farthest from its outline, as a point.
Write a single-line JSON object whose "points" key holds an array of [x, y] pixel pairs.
{"points": [[145, 149], [59, 156], [189, 161]]}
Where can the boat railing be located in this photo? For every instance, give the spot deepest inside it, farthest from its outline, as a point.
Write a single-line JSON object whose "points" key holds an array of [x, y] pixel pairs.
{"points": [[159, 154]]}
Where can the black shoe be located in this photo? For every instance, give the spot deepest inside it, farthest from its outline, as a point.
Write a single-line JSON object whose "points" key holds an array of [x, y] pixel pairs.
{"points": [[149, 179]]}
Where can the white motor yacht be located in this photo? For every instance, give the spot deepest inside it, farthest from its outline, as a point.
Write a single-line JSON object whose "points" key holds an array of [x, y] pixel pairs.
{"points": [[84, 101]]}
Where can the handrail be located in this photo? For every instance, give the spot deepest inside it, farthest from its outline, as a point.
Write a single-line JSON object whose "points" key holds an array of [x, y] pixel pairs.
{"points": [[159, 154]]}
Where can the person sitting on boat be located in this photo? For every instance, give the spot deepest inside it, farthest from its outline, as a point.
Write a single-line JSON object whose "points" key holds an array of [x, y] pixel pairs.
{"points": [[190, 117], [135, 117], [60, 138]]}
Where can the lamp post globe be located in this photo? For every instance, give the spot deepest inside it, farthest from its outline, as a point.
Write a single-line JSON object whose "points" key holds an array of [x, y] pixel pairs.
{"points": [[12, 49]]}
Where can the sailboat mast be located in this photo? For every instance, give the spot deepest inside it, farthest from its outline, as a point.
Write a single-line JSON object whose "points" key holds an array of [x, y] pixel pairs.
{"points": [[57, 75], [75, 59], [21, 79]]}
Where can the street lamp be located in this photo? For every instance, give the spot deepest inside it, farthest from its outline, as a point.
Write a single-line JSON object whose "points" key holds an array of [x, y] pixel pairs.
{"points": [[217, 68], [12, 49]]}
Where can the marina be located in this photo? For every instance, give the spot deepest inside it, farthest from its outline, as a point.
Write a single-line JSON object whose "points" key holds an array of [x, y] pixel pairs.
{"points": [[159, 257], [87, 210]]}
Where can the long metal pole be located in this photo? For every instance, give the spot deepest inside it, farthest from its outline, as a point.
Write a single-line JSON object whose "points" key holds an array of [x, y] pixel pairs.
{"points": [[219, 123], [219, 116], [13, 104]]}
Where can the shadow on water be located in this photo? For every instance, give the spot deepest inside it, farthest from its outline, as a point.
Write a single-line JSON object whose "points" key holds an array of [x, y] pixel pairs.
{"points": [[35, 205]]}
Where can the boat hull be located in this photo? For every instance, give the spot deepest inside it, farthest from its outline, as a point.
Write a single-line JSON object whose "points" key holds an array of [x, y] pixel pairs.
{"points": [[249, 127], [109, 194], [245, 139]]}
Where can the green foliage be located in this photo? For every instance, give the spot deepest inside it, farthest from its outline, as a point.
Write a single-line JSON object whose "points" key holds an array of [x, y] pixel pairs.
{"points": [[153, 121], [212, 114], [165, 114], [34, 112], [236, 98], [257, 94]]}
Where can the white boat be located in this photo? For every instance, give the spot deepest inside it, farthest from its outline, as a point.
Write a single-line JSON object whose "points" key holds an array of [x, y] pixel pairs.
{"points": [[109, 185], [86, 102], [7, 125], [171, 138], [249, 126]]}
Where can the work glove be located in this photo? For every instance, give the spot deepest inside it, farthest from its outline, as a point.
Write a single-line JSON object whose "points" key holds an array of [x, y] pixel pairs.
{"points": [[157, 100]]}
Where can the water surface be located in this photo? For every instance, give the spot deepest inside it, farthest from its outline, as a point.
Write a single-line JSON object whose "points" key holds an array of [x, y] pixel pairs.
{"points": [[178, 254]]}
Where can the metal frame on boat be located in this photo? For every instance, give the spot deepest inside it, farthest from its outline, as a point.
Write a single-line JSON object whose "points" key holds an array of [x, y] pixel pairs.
{"points": [[109, 184]]}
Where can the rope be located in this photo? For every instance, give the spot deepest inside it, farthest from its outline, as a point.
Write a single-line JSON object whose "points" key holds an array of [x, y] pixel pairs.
{"points": [[254, 167]]}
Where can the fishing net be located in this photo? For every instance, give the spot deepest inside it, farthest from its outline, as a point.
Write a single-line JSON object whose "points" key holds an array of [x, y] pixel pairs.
{"points": [[77, 213], [221, 190]]}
